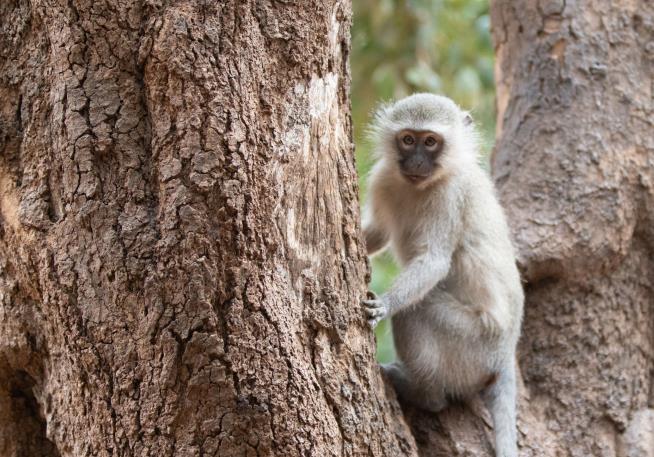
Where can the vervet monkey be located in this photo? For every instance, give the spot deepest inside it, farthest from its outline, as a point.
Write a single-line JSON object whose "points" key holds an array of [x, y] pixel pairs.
{"points": [[456, 306]]}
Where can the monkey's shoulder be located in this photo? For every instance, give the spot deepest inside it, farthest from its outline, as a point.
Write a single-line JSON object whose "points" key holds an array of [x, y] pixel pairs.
{"points": [[478, 194]]}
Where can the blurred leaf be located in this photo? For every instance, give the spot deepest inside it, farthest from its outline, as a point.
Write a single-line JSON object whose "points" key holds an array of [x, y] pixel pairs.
{"points": [[468, 82], [384, 80], [385, 347], [423, 76]]}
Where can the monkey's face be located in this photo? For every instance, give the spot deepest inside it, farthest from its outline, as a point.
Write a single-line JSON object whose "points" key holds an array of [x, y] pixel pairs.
{"points": [[418, 153]]}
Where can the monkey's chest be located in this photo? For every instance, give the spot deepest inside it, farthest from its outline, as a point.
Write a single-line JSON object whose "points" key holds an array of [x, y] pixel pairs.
{"points": [[408, 226], [407, 240], [406, 247]]}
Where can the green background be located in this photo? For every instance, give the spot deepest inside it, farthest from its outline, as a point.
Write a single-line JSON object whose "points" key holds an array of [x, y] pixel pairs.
{"points": [[404, 46]]}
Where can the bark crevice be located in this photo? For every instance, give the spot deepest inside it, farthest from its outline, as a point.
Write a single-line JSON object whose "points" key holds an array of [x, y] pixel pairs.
{"points": [[23, 419]]}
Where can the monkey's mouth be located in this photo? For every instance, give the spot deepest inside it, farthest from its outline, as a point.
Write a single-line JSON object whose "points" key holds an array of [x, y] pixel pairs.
{"points": [[415, 179]]}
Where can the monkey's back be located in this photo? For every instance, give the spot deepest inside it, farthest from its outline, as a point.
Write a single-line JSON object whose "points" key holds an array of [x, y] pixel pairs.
{"points": [[483, 272]]}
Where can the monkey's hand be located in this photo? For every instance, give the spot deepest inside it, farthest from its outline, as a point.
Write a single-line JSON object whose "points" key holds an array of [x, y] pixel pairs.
{"points": [[376, 310]]}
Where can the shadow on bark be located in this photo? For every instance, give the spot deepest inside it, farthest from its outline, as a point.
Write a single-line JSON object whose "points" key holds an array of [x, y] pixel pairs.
{"points": [[22, 420]]}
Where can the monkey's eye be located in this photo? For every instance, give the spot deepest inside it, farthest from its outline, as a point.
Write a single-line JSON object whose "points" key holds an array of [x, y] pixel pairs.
{"points": [[408, 140], [430, 141]]}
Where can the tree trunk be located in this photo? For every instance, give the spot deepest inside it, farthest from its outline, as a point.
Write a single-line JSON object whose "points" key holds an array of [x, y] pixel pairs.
{"points": [[574, 165], [180, 257]]}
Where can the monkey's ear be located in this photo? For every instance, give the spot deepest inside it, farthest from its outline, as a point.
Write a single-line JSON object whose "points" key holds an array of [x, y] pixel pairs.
{"points": [[467, 119]]}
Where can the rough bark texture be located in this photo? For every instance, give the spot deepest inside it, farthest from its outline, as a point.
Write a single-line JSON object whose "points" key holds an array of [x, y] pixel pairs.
{"points": [[180, 259], [575, 168], [180, 262], [574, 164]]}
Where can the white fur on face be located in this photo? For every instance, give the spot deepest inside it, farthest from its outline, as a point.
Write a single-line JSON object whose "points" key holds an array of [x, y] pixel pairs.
{"points": [[425, 112]]}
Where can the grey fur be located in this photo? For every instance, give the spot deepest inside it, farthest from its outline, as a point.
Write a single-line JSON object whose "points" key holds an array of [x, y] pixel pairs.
{"points": [[456, 306]]}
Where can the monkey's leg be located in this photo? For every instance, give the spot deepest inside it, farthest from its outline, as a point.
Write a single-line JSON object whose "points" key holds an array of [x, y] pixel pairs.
{"points": [[422, 397], [501, 401], [458, 317]]}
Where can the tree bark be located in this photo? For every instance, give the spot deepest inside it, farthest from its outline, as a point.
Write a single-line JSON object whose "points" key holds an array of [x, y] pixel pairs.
{"points": [[574, 165], [574, 168], [180, 257]]}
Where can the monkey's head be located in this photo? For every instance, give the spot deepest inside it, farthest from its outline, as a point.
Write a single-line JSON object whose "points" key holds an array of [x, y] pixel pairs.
{"points": [[423, 136]]}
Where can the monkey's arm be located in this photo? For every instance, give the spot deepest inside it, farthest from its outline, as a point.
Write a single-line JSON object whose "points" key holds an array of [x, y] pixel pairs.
{"points": [[376, 238], [425, 270], [375, 234], [420, 276]]}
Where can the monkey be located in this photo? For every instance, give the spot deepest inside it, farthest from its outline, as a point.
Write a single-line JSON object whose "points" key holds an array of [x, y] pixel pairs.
{"points": [[456, 305]]}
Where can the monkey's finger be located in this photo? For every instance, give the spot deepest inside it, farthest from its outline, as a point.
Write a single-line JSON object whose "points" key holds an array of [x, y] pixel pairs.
{"points": [[375, 315], [374, 321], [376, 312], [374, 306], [372, 303]]}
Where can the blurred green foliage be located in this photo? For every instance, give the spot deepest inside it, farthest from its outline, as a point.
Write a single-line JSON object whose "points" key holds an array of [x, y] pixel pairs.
{"points": [[404, 46]]}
